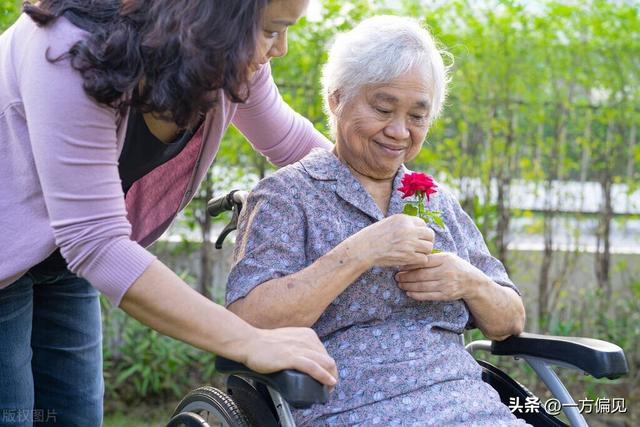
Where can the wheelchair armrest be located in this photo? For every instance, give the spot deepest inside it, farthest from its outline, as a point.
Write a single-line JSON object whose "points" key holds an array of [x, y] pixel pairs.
{"points": [[596, 357], [298, 389]]}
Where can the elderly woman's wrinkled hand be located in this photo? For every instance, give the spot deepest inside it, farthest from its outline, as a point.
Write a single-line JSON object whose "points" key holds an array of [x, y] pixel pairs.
{"points": [[445, 277], [396, 240]]}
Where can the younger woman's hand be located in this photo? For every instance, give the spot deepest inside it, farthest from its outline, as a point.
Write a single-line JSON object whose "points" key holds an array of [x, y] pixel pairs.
{"points": [[272, 350]]}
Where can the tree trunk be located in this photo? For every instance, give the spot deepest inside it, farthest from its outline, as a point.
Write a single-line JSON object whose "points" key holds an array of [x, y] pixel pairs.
{"points": [[260, 164], [603, 253], [502, 225], [486, 178], [538, 154], [545, 265], [550, 211], [631, 154], [569, 258], [206, 250], [603, 250], [467, 195], [504, 187], [586, 156]]}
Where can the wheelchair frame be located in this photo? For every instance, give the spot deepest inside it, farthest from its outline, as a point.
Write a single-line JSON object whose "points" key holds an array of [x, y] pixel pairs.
{"points": [[282, 390]]}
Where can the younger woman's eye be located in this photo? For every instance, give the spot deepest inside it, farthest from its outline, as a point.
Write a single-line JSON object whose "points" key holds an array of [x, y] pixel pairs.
{"points": [[272, 34]]}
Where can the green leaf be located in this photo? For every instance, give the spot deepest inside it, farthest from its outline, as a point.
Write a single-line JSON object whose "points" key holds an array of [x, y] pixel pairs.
{"points": [[433, 217], [437, 219], [409, 209], [122, 377]]}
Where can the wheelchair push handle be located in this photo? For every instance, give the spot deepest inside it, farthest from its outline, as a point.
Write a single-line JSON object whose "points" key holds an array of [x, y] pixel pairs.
{"points": [[227, 202], [232, 201]]}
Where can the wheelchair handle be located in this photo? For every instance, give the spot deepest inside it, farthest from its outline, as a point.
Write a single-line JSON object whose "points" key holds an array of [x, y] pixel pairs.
{"points": [[226, 203], [232, 201], [300, 390]]}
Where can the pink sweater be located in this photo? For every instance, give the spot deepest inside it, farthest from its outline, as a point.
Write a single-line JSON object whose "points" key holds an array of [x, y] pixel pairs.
{"points": [[59, 150]]}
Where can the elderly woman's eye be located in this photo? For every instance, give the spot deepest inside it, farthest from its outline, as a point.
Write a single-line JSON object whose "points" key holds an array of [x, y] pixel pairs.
{"points": [[382, 110]]}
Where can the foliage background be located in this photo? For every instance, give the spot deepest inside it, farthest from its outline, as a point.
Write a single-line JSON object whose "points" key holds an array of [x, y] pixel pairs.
{"points": [[542, 92]]}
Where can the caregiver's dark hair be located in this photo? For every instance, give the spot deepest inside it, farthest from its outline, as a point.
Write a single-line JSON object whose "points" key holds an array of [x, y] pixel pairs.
{"points": [[184, 49]]}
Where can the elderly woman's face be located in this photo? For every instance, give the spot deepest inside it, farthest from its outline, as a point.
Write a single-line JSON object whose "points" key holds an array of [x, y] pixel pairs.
{"points": [[385, 125]]}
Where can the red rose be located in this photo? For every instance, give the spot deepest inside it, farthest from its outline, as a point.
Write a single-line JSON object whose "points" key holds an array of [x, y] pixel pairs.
{"points": [[417, 182]]}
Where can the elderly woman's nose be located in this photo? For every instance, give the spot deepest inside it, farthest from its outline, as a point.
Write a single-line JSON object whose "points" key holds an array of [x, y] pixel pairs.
{"points": [[397, 129]]}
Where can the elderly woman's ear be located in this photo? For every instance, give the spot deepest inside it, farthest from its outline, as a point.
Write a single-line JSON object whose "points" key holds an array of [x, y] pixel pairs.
{"points": [[334, 102]]}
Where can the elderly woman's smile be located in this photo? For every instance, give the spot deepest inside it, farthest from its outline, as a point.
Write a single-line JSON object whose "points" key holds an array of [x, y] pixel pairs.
{"points": [[384, 125]]}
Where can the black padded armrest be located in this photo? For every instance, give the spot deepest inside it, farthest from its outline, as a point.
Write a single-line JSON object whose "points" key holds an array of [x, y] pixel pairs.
{"points": [[298, 389], [596, 357]]}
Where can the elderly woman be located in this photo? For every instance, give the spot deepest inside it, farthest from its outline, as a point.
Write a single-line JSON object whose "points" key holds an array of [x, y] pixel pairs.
{"points": [[323, 243]]}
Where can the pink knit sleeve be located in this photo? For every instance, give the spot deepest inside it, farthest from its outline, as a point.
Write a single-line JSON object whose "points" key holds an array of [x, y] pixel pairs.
{"points": [[73, 140], [272, 127]]}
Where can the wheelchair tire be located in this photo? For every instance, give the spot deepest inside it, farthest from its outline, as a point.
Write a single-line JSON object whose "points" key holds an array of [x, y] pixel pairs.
{"points": [[187, 419], [256, 406], [214, 406]]}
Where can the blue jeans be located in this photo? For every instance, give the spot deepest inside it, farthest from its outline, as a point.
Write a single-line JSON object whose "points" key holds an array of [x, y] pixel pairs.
{"points": [[50, 351]]}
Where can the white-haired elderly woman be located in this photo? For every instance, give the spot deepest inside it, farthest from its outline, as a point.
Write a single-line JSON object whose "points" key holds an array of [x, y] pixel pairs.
{"points": [[323, 243]]}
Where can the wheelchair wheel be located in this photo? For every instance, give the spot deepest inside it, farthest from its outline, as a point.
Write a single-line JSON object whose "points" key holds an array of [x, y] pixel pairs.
{"points": [[256, 405], [215, 407]]}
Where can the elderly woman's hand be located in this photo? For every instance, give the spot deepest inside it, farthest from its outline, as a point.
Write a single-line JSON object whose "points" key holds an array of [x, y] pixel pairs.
{"points": [[396, 240], [497, 310], [445, 277]]}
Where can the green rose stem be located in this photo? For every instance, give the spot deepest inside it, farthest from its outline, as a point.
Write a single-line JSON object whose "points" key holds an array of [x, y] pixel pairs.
{"points": [[425, 215], [420, 204]]}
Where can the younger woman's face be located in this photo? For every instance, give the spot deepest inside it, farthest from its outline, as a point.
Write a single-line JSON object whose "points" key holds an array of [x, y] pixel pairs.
{"points": [[277, 16]]}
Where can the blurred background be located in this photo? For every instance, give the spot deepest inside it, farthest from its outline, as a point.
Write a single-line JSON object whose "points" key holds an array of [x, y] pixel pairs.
{"points": [[539, 140]]}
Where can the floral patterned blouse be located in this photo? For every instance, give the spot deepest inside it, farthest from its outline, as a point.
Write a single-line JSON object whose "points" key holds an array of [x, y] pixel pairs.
{"points": [[401, 362]]}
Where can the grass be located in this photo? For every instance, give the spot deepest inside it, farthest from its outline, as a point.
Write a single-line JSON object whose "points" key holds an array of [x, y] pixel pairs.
{"points": [[140, 415]]}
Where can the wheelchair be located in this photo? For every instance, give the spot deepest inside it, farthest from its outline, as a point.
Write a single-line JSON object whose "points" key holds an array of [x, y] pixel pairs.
{"points": [[251, 399]]}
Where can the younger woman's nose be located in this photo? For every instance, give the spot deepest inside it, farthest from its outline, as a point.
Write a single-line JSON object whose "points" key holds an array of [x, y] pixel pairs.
{"points": [[279, 47]]}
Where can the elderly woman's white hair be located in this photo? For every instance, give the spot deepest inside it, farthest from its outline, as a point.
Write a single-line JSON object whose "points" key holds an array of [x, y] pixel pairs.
{"points": [[376, 51]]}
